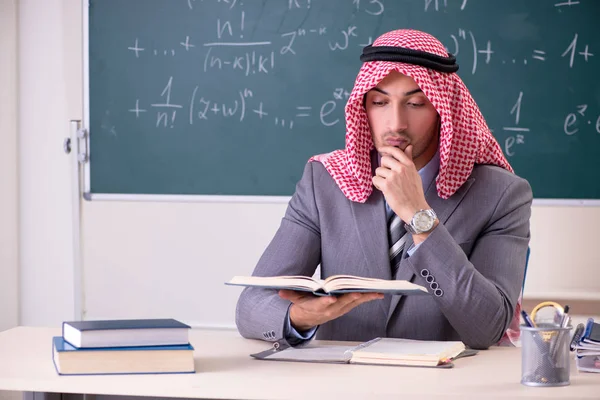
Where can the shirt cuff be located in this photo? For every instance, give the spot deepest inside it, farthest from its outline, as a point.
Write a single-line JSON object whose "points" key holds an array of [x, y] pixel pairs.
{"points": [[292, 336], [413, 248]]}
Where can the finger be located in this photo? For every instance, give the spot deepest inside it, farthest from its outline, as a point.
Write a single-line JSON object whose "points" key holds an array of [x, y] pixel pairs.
{"points": [[373, 296], [328, 300], [293, 295], [363, 298], [395, 153], [378, 182], [366, 297], [318, 303], [383, 172], [408, 151], [387, 150], [353, 304], [346, 299], [390, 163]]}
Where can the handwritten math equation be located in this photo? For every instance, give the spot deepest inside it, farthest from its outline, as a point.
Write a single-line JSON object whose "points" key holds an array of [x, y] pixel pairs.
{"points": [[230, 33], [241, 106], [229, 50]]}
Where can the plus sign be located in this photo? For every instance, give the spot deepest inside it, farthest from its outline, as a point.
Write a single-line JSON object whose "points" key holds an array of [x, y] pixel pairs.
{"points": [[137, 109], [585, 53], [488, 52], [187, 44], [215, 108], [136, 48], [260, 111]]}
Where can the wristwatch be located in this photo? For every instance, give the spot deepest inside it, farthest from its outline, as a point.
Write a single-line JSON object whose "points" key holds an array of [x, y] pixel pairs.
{"points": [[422, 222]]}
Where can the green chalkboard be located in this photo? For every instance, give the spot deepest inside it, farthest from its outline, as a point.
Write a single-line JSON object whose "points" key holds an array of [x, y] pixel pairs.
{"points": [[231, 97]]}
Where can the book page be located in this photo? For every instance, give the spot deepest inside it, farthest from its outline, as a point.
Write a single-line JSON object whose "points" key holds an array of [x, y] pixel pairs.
{"points": [[407, 349], [278, 282], [347, 282]]}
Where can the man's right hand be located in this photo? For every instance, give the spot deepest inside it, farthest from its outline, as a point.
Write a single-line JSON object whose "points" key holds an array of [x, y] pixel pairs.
{"points": [[308, 310]]}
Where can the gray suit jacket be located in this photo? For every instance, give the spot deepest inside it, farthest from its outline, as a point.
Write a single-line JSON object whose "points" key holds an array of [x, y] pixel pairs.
{"points": [[476, 255]]}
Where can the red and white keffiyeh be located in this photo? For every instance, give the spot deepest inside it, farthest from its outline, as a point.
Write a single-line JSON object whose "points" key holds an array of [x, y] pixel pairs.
{"points": [[465, 139]]}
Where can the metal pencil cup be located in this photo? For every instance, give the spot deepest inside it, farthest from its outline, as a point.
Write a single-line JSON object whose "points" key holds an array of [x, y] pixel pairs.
{"points": [[545, 357]]}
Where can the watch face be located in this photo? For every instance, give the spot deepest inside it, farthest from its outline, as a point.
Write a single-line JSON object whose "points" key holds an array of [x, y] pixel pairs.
{"points": [[423, 221]]}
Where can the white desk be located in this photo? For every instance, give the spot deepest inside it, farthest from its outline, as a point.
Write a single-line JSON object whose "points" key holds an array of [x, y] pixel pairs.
{"points": [[225, 370]]}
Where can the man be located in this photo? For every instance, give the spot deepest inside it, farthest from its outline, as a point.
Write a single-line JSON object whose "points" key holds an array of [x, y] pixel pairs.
{"points": [[422, 193]]}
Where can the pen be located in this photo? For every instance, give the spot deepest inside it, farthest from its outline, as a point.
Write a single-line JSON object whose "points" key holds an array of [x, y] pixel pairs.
{"points": [[565, 318], [556, 342], [527, 320]]}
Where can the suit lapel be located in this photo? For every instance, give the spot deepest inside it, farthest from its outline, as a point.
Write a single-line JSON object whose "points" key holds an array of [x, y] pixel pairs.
{"points": [[443, 209], [370, 223], [371, 228]]}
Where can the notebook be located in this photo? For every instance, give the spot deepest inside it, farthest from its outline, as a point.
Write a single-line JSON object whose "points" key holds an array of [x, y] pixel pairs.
{"points": [[379, 351], [587, 346]]}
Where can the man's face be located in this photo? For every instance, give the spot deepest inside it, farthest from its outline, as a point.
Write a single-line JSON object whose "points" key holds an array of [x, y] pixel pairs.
{"points": [[400, 114]]}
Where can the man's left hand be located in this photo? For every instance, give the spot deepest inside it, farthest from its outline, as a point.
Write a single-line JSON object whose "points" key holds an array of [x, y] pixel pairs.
{"points": [[398, 179]]}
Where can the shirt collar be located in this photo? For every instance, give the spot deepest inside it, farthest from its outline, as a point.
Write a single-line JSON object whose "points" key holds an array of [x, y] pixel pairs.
{"points": [[429, 172]]}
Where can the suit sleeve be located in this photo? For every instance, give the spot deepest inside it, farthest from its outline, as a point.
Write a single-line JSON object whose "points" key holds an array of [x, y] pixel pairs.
{"points": [[294, 250], [478, 295]]}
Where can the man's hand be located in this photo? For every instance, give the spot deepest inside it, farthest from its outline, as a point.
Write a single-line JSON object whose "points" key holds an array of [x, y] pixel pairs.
{"points": [[309, 310], [400, 182]]}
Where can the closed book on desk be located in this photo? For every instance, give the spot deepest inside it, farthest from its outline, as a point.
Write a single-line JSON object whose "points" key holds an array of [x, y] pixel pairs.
{"points": [[592, 333], [125, 332], [337, 284], [69, 360], [379, 351]]}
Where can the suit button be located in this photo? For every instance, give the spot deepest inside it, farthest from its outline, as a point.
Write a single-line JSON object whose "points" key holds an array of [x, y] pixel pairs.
{"points": [[429, 278], [434, 285], [438, 292], [424, 273]]}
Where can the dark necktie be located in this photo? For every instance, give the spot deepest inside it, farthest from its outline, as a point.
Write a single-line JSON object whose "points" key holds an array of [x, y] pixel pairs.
{"points": [[397, 236]]}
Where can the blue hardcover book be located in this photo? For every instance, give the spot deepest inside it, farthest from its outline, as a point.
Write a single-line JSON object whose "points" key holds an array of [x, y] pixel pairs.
{"points": [[125, 333], [69, 360]]}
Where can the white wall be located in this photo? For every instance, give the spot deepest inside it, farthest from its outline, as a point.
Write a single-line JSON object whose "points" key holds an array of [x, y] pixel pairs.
{"points": [[9, 248], [565, 261], [49, 78], [171, 259]]}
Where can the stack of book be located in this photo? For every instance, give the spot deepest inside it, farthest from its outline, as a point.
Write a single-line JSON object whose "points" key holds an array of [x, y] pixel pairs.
{"points": [[586, 342], [139, 346]]}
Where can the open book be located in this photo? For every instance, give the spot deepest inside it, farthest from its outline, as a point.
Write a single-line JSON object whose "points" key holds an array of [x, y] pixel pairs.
{"points": [[336, 284], [379, 351], [406, 352]]}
